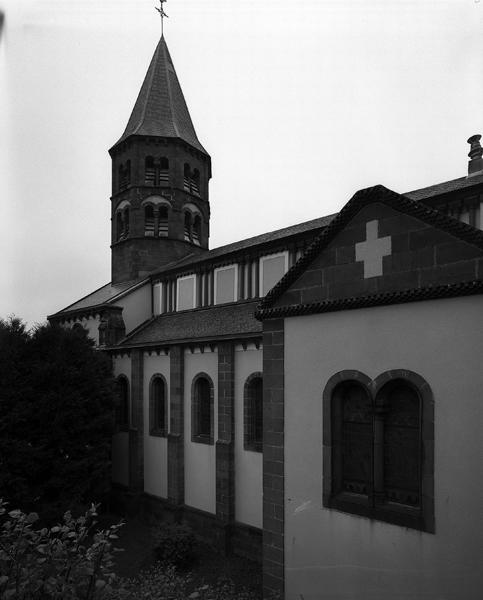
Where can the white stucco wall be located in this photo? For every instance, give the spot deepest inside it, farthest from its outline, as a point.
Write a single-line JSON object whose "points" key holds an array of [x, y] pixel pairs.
{"points": [[200, 459], [248, 465], [155, 447], [330, 554], [137, 306], [120, 440]]}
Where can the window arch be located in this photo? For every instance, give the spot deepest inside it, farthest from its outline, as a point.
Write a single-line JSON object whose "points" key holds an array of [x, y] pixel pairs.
{"points": [[253, 413], [186, 177], [187, 226], [126, 222], [379, 447], [163, 228], [163, 171], [122, 404], [158, 406], [202, 409], [149, 220], [197, 230]]}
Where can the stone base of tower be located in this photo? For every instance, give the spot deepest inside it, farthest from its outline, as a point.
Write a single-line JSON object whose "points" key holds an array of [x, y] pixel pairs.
{"points": [[136, 257]]}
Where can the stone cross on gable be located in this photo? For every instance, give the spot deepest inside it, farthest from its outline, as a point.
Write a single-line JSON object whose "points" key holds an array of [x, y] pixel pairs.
{"points": [[372, 250]]}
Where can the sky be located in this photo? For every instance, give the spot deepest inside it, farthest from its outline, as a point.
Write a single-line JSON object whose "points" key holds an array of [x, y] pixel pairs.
{"points": [[299, 103]]}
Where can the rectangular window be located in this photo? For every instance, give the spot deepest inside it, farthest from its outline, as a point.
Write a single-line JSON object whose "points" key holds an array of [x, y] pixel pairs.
{"points": [[186, 290], [272, 269], [226, 284], [158, 298]]}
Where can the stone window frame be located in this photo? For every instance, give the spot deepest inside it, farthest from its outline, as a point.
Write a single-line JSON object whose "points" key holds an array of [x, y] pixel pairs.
{"points": [[249, 443], [122, 418], [195, 408], [154, 430], [422, 519]]}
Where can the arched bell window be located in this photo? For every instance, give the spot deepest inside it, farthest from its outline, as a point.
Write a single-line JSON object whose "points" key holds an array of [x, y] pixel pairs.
{"points": [[163, 221], [119, 225], [149, 171], [149, 220], [187, 226], [197, 230], [126, 222]]}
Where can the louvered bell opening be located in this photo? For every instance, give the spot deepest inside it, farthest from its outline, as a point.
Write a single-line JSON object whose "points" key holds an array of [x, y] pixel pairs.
{"points": [[149, 171], [197, 231], [126, 222], [163, 177], [195, 182], [149, 221], [187, 227], [163, 222]]}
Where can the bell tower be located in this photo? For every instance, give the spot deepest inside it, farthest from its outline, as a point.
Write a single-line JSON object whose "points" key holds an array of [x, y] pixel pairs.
{"points": [[160, 173]]}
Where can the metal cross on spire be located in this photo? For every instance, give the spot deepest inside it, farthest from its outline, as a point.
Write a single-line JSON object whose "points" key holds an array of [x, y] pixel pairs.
{"points": [[162, 14]]}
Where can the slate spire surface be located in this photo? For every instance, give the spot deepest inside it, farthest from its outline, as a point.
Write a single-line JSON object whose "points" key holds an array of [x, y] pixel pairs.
{"points": [[160, 109]]}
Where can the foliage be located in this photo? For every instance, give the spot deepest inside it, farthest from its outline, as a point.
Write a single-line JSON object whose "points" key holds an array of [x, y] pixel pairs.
{"points": [[166, 583], [174, 544], [56, 402], [64, 562]]}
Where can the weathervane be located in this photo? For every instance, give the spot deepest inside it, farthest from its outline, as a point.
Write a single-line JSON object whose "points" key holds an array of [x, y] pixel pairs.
{"points": [[162, 14]]}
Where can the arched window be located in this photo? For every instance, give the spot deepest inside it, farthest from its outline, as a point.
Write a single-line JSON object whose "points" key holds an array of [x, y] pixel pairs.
{"points": [[158, 407], [128, 172], [119, 225], [126, 222], [149, 220], [197, 230], [122, 404], [186, 177], [163, 221], [253, 413], [378, 447], [187, 226], [195, 182], [149, 171], [202, 410], [400, 408], [163, 171]]}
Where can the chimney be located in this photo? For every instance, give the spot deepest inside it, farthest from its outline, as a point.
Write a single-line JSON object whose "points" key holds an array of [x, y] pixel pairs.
{"points": [[475, 164]]}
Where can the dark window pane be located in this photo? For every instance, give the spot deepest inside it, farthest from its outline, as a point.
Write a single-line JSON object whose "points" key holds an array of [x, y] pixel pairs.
{"points": [[356, 440], [122, 412], [203, 396], [159, 404], [402, 452]]}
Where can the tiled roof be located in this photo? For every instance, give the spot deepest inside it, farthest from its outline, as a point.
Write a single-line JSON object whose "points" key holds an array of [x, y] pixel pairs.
{"points": [[211, 323], [160, 108], [264, 238], [445, 187], [101, 296]]}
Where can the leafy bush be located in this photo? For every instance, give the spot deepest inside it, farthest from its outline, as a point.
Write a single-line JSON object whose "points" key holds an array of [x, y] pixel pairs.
{"points": [[65, 562], [175, 544], [165, 583]]}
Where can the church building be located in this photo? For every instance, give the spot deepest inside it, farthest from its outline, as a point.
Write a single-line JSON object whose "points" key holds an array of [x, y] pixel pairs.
{"points": [[310, 397]]}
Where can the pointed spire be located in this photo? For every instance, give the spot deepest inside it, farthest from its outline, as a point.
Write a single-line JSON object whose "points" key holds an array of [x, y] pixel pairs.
{"points": [[160, 108]]}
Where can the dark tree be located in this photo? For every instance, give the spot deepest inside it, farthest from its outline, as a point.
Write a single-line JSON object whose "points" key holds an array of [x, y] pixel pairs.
{"points": [[56, 418]]}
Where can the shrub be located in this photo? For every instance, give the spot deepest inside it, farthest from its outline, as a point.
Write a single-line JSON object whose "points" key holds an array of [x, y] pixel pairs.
{"points": [[175, 545], [65, 562], [56, 419]]}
